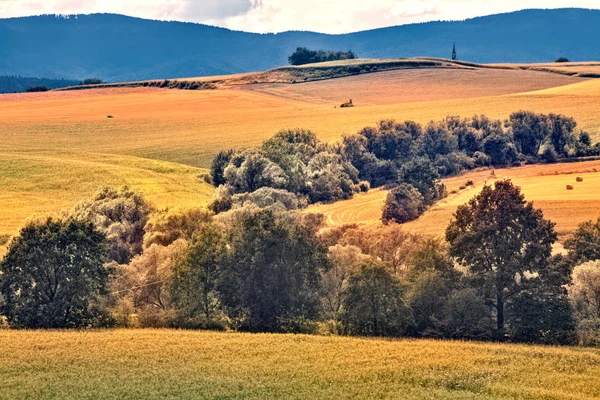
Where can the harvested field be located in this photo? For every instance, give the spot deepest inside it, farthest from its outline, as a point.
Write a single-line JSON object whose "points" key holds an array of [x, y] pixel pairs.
{"points": [[50, 141], [542, 184], [416, 85]]}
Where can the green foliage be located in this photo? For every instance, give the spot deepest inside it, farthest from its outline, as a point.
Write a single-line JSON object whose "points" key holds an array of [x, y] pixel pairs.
{"points": [[374, 305], [466, 316], [404, 203], [165, 227], [504, 243], [584, 245], [562, 60], [195, 277], [423, 175], [270, 278], [303, 56], [217, 168], [122, 215], [53, 276]]}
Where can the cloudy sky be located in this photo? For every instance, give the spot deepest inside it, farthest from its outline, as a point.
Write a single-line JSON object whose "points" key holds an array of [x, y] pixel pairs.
{"points": [[330, 16]]}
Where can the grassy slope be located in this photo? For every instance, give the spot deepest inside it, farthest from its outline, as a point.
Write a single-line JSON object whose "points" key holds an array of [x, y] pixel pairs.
{"points": [[545, 185], [151, 364], [49, 140]]}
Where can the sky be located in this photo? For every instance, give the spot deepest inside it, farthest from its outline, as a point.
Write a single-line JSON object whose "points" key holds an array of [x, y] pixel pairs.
{"points": [[327, 16]]}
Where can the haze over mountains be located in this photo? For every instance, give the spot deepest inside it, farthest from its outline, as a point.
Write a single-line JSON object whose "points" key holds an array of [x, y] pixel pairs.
{"points": [[120, 48]]}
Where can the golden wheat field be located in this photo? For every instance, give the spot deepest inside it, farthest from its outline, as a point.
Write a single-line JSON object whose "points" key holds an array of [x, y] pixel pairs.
{"points": [[59, 147], [170, 364], [545, 185]]}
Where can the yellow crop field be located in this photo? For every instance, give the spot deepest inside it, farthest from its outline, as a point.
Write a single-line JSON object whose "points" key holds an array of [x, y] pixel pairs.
{"points": [[142, 364], [545, 185], [58, 147]]}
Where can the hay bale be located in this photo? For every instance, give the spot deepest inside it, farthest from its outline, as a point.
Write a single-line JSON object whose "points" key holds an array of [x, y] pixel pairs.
{"points": [[579, 179], [570, 187]]}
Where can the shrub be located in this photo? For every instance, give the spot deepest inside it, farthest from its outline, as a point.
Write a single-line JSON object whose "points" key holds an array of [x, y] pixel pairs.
{"points": [[364, 186], [549, 155], [403, 204], [562, 60]]}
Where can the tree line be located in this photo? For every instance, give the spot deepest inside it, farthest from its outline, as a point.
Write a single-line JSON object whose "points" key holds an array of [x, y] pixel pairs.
{"points": [[294, 169], [114, 260], [303, 56]]}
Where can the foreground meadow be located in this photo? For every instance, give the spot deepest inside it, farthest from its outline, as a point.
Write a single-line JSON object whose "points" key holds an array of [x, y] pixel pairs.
{"points": [[151, 364]]}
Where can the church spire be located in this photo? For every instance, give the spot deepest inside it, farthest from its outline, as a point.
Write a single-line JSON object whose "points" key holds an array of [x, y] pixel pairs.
{"points": [[454, 51]]}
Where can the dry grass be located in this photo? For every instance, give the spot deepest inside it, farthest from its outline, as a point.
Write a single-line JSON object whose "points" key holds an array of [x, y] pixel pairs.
{"points": [[152, 364], [416, 85], [49, 141], [543, 184]]}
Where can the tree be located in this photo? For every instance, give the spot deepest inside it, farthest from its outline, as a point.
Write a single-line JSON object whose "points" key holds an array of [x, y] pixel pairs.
{"points": [[270, 279], [404, 203], [345, 260], [584, 292], [122, 215], [529, 131], [195, 276], [217, 167], [584, 245], [144, 286], [167, 226], [504, 242], [254, 172], [53, 275], [562, 60], [423, 175], [466, 316], [374, 305], [500, 149], [561, 133]]}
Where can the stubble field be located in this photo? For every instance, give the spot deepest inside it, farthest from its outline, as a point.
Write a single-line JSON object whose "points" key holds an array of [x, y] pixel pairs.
{"points": [[59, 147]]}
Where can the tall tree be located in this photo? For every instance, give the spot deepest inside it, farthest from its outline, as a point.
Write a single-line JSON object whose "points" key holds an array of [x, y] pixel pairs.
{"points": [[53, 275], [503, 241], [270, 278]]}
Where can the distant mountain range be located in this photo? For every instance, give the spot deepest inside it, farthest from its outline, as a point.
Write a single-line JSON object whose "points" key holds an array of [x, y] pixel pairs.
{"points": [[119, 48]]}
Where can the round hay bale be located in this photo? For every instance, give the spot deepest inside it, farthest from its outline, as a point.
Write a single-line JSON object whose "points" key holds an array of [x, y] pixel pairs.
{"points": [[579, 179], [570, 187]]}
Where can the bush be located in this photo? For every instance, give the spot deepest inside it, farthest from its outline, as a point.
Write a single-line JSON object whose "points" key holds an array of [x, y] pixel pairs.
{"points": [[562, 60], [403, 204], [549, 155], [364, 186]]}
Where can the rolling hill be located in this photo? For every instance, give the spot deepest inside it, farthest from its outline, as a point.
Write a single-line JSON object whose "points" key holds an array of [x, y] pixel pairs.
{"points": [[60, 146], [119, 48]]}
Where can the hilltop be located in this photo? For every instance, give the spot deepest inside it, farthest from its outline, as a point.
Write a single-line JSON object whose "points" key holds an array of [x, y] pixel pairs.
{"points": [[120, 48]]}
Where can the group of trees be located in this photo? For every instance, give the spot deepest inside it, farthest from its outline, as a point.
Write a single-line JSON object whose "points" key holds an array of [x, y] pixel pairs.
{"points": [[114, 260], [294, 169], [303, 56]]}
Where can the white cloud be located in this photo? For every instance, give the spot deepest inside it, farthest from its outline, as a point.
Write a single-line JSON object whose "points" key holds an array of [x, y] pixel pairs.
{"points": [[331, 16]]}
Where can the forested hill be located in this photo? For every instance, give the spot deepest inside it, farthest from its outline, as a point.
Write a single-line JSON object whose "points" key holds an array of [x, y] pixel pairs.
{"points": [[116, 48]]}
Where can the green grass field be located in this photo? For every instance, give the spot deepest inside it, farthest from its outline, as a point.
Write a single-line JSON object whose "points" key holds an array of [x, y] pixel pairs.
{"points": [[168, 364]]}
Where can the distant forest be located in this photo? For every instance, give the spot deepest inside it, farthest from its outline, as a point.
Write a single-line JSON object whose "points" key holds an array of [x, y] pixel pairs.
{"points": [[118, 48], [18, 84]]}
